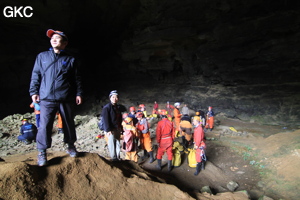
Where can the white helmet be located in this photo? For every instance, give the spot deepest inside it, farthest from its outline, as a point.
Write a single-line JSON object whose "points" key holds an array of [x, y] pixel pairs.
{"points": [[177, 104]]}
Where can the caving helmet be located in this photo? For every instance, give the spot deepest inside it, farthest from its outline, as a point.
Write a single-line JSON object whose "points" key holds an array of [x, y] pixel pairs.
{"points": [[132, 109]]}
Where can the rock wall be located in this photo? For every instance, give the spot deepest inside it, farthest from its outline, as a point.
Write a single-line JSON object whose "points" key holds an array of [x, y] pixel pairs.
{"points": [[240, 57]]}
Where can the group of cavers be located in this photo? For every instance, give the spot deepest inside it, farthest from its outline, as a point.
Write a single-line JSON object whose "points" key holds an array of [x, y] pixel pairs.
{"points": [[28, 131], [176, 132]]}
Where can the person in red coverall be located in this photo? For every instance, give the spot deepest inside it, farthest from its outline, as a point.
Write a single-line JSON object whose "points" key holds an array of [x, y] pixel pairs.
{"points": [[164, 138], [199, 144], [169, 108], [145, 139], [155, 108], [177, 118], [210, 119]]}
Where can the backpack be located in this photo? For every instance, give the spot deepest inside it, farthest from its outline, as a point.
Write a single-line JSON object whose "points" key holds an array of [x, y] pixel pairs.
{"points": [[100, 123], [192, 158], [176, 160], [128, 140]]}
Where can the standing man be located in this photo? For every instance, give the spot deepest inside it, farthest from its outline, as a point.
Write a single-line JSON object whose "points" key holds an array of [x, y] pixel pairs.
{"points": [[155, 108], [145, 139], [164, 138], [210, 119], [185, 110], [169, 108], [177, 117], [199, 144], [112, 120], [56, 84]]}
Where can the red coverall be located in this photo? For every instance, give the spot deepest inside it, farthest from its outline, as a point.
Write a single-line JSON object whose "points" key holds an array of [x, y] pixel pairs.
{"points": [[155, 108], [165, 138], [210, 120], [177, 118], [198, 138], [169, 108], [145, 138]]}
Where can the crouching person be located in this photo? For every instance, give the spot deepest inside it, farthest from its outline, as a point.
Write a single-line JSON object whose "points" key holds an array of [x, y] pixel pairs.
{"points": [[164, 137], [186, 131], [28, 132]]}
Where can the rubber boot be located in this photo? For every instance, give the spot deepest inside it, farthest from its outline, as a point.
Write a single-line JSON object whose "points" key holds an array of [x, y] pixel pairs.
{"points": [[170, 167], [202, 165], [145, 154], [198, 168], [151, 157], [158, 166]]}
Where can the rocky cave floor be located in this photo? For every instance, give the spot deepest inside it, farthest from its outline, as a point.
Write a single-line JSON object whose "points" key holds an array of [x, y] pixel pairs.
{"points": [[250, 155]]}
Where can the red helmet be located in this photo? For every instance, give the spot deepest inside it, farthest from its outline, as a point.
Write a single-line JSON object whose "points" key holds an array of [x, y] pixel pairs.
{"points": [[124, 115], [139, 114], [142, 105], [163, 112], [132, 109]]}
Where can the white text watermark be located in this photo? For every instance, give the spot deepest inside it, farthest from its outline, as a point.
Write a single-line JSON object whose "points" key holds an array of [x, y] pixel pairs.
{"points": [[15, 11]]}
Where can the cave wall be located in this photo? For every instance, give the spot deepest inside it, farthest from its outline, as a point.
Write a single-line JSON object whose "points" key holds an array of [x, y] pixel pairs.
{"points": [[239, 56]]}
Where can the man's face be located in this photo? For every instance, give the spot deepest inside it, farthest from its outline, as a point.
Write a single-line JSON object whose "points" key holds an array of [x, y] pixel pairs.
{"points": [[114, 99], [57, 42]]}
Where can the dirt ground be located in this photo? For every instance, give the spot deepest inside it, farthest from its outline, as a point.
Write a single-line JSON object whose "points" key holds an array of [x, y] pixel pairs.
{"points": [[262, 160]]}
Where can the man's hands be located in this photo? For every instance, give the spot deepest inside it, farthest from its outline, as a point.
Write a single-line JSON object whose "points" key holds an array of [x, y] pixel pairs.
{"points": [[78, 100], [108, 133], [35, 98]]}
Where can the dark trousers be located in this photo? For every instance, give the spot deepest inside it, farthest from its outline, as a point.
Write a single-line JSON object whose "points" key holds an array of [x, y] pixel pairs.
{"points": [[47, 116], [27, 136], [37, 120]]}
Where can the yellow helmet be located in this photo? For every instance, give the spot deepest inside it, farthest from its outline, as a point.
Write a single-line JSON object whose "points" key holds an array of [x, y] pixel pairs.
{"points": [[197, 118], [127, 120]]}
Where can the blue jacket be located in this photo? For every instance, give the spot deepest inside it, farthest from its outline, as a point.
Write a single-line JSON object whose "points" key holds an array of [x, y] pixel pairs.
{"points": [[55, 78], [210, 113], [28, 131], [112, 118]]}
